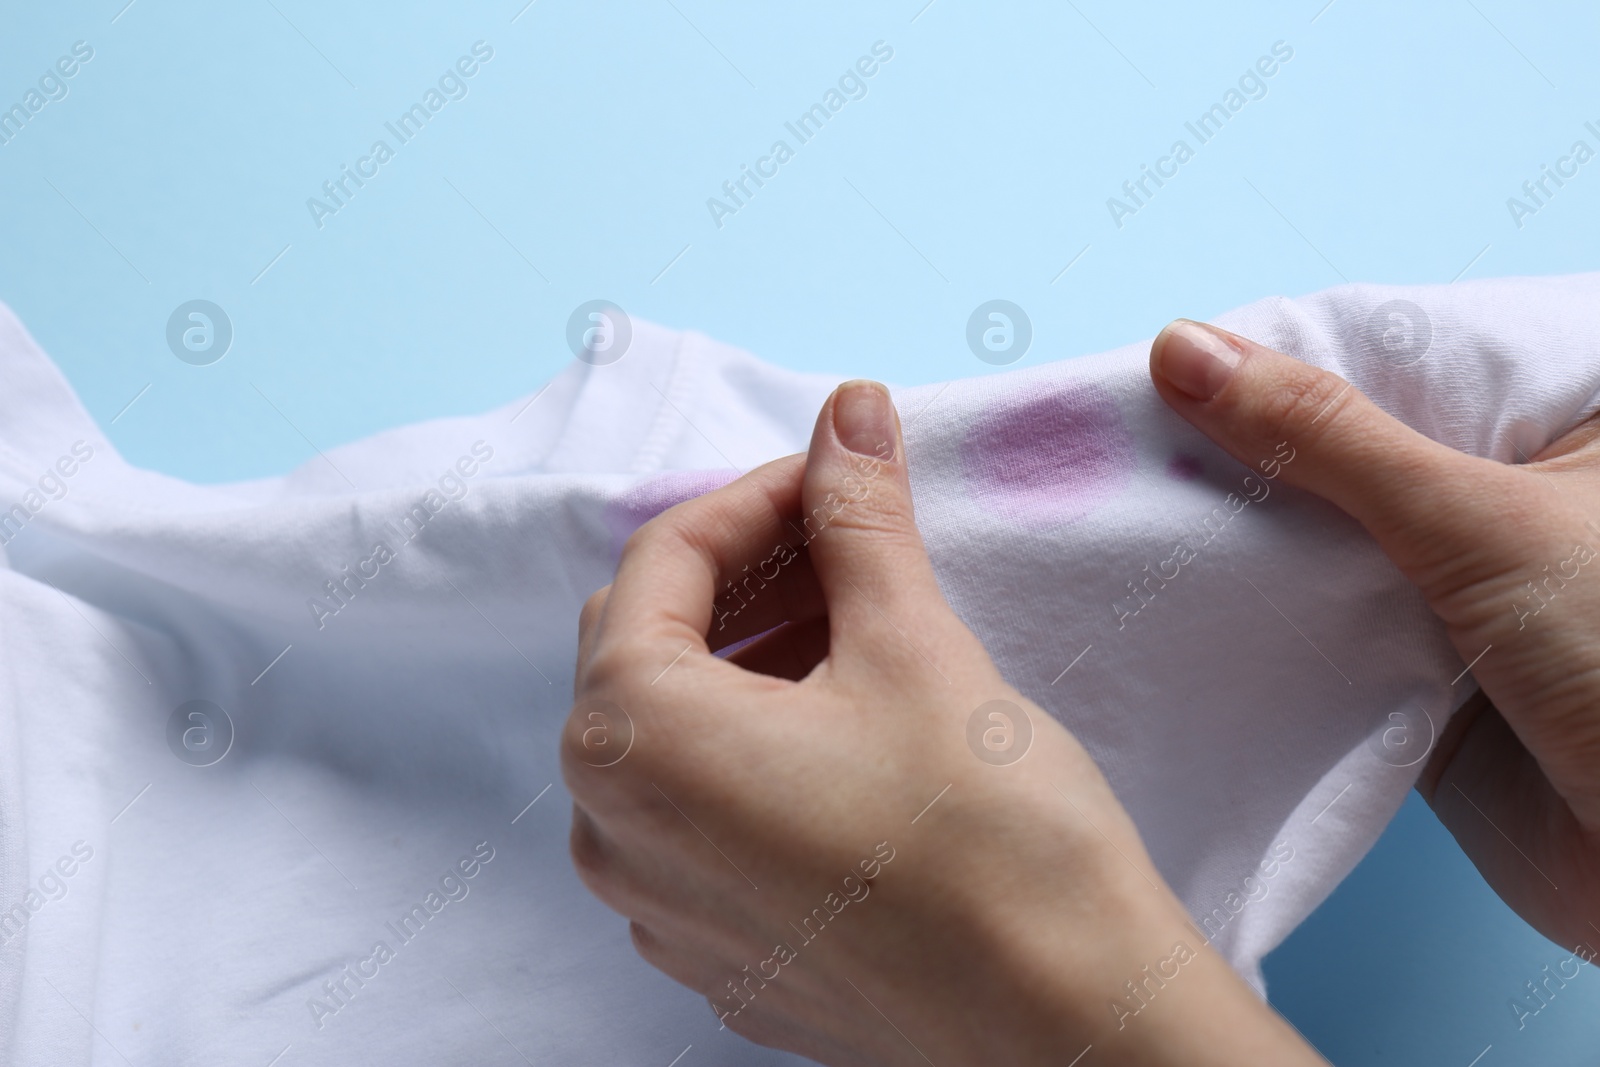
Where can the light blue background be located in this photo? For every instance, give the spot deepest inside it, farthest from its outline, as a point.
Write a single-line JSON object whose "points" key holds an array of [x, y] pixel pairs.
{"points": [[978, 166]]}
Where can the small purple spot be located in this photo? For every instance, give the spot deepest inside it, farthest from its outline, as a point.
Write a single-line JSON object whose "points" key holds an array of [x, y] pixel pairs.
{"points": [[643, 502], [1185, 468], [1049, 459]]}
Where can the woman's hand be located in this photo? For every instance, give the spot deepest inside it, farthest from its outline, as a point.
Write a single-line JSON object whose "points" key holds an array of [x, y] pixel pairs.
{"points": [[1509, 558], [841, 834]]}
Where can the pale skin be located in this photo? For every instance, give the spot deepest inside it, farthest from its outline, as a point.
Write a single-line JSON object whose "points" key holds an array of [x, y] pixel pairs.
{"points": [[1019, 902]]}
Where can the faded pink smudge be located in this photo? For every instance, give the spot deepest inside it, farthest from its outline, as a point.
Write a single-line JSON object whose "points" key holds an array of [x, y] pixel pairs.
{"points": [[1049, 459], [649, 498], [1185, 468]]}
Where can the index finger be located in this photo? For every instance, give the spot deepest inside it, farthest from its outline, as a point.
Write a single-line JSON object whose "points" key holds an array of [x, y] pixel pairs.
{"points": [[661, 603]]}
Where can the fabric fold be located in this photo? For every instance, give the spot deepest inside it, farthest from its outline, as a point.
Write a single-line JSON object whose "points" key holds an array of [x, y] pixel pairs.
{"points": [[383, 639]]}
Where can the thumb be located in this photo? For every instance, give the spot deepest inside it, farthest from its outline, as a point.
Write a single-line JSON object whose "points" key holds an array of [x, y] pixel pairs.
{"points": [[1417, 497], [857, 518]]}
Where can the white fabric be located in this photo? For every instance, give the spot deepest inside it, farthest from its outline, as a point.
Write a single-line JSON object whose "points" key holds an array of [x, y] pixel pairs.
{"points": [[396, 744]]}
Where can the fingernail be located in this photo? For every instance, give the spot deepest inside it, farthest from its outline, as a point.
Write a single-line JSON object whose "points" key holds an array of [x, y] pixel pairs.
{"points": [[1197, 359], [863, 418]]}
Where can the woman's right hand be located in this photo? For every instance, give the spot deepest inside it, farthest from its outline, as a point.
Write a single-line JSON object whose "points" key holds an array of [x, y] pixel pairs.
{"points": [[759, 795], [1508, 556]]}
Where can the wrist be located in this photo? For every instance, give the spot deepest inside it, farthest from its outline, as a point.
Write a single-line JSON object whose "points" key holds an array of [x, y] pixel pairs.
{"points": [[1097, 951], [1143, 989]]}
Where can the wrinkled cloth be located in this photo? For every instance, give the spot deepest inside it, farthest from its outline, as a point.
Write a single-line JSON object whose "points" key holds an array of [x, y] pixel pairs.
{"points": [[278, 769]]}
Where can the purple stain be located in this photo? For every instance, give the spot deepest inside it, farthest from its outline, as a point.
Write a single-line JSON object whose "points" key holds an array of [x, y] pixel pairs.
{"points": [[1051, 459], [643, 502], [1185, 468]]}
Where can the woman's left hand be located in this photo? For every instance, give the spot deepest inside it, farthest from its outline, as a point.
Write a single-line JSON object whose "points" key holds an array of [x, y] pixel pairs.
{"points": [[1498, 550]]}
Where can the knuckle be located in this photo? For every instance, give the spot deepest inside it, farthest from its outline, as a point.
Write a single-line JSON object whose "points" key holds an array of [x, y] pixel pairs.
{"points": [[661, 528], [1300, 405], [876, 513], [592, 609], [572, 745], [590, 856], [597, 736], [646, 944], [683, 967], [610, 667], [618, 673], [749, 1023]]}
